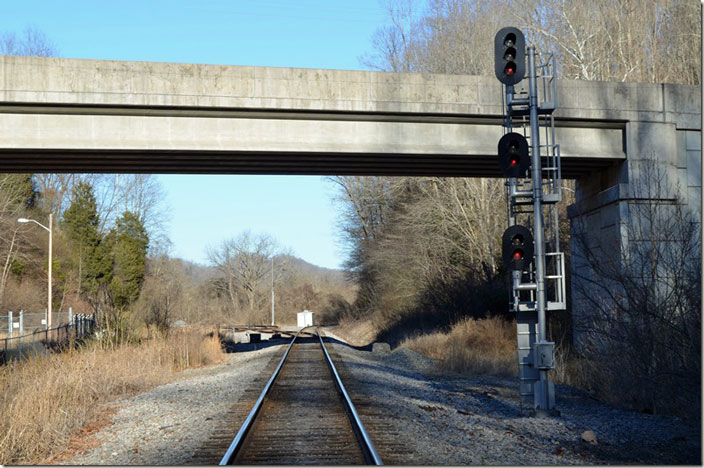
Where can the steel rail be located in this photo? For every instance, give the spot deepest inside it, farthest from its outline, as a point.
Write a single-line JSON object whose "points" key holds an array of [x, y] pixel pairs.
{"points": [[370, 454], [247, 425]]}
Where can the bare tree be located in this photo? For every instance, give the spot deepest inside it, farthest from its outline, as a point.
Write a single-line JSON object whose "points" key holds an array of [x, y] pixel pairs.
{"points": [[393, 43], [162, 292], [16, 197], [31, 42], [416, 238], [55, 190], [632, 40], [142, 194], [642, 322], [464, 216], [243, 262], [365, 204]]}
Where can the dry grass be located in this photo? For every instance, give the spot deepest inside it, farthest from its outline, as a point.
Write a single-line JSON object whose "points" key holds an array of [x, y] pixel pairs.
{"points": [[44, 399], [485, 346], [356, 332]]}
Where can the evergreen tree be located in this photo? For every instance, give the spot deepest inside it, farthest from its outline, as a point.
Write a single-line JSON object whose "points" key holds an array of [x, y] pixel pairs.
{"points": [[81, 218], [80, 222], [128, 242]]}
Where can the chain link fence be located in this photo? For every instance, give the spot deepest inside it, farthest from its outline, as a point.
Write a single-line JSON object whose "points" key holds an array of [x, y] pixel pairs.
{"points": [[24, 333]]}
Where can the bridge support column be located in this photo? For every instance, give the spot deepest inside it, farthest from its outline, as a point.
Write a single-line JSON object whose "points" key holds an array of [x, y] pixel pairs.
{"points": [[625, 209]]}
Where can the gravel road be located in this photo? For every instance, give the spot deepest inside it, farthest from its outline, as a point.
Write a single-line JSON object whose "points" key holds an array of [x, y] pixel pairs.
{"points": [[414, 415]]}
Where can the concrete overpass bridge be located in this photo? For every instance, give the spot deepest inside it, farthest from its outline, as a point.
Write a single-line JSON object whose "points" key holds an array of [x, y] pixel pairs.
{"points": [[67, 115], [86, 115]]}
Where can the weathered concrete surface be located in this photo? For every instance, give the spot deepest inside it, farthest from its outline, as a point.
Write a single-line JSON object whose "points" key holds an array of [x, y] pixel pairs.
{"points": [[116, 83], [108, 116], [166, 117]]}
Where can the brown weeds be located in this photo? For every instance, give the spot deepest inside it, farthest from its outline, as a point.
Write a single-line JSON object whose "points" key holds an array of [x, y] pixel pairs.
{"points": [[45, 399], [486, 346]]}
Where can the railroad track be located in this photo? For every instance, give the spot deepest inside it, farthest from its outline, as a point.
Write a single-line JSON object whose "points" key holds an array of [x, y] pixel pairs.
{"points": [[304, 415]]}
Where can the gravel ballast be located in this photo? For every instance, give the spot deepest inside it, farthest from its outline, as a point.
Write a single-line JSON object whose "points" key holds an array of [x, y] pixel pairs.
{"points": [[448, 419], [167, 425], [414, 414]]}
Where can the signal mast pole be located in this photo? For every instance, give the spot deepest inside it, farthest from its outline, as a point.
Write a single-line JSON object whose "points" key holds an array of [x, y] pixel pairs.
{"points": [[538, 223], [524, 253]]}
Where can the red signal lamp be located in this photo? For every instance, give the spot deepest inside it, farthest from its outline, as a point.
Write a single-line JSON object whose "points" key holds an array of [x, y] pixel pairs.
{"points": [[509, 55], [513, 154], [517, 247]]}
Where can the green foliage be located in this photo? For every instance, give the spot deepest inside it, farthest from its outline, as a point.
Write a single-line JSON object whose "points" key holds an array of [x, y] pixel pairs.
{"points": [[81, 218], [60, 274], [80, 222], [128, 243], [17, 268]]}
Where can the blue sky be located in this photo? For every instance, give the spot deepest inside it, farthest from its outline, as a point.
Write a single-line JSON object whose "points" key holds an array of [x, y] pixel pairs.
{"points": [[296, 210]]}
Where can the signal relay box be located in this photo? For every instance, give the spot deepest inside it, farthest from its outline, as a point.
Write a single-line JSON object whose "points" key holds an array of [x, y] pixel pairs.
{"points": [[544, 355]]}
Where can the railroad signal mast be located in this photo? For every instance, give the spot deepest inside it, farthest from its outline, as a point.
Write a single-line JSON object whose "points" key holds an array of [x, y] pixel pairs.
{"points": [[530, 160]]}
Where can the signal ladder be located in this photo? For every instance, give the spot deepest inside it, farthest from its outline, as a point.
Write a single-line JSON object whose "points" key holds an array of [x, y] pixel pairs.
{"points": [[538, 283]]}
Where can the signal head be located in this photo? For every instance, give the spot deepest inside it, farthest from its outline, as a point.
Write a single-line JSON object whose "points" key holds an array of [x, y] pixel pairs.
{"points": [[509, 55], [517, 247], [514, 159]]}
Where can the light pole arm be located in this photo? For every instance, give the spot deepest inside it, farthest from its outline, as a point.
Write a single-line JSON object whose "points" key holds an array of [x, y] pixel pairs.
{"points": [[25, 220]]}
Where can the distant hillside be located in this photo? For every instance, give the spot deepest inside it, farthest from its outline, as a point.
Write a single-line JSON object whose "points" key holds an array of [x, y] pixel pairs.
{"points": [[199, 273], [195, 272], [197, 293], [302, 267]]}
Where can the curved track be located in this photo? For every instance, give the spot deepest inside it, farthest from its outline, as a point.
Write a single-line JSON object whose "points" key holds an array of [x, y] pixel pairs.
{"points": [[303, 416]]}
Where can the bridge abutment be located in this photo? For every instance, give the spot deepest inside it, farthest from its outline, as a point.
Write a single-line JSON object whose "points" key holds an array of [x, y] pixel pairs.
{"points": [[630, 226]]}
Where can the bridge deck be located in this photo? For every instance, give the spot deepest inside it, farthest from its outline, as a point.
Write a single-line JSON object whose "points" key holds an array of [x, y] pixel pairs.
{"points": [[108, 116]]}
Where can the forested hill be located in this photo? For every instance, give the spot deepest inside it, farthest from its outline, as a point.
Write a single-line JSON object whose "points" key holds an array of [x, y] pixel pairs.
{"points": [[178, 289], [198, 272], [305, 268]]}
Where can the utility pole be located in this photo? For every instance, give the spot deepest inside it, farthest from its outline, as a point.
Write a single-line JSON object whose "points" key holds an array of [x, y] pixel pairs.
{"points": [[51, 256], [272, 290]]}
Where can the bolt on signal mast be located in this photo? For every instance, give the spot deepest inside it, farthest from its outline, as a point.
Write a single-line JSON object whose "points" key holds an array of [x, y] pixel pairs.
{"points": [[523, 251]]}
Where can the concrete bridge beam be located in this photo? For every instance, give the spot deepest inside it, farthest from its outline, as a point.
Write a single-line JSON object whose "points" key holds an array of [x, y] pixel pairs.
{"points": [[64, 115]]}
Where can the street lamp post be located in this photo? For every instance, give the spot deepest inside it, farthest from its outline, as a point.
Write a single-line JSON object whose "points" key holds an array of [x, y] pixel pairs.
{"points": [[51, 221]]}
